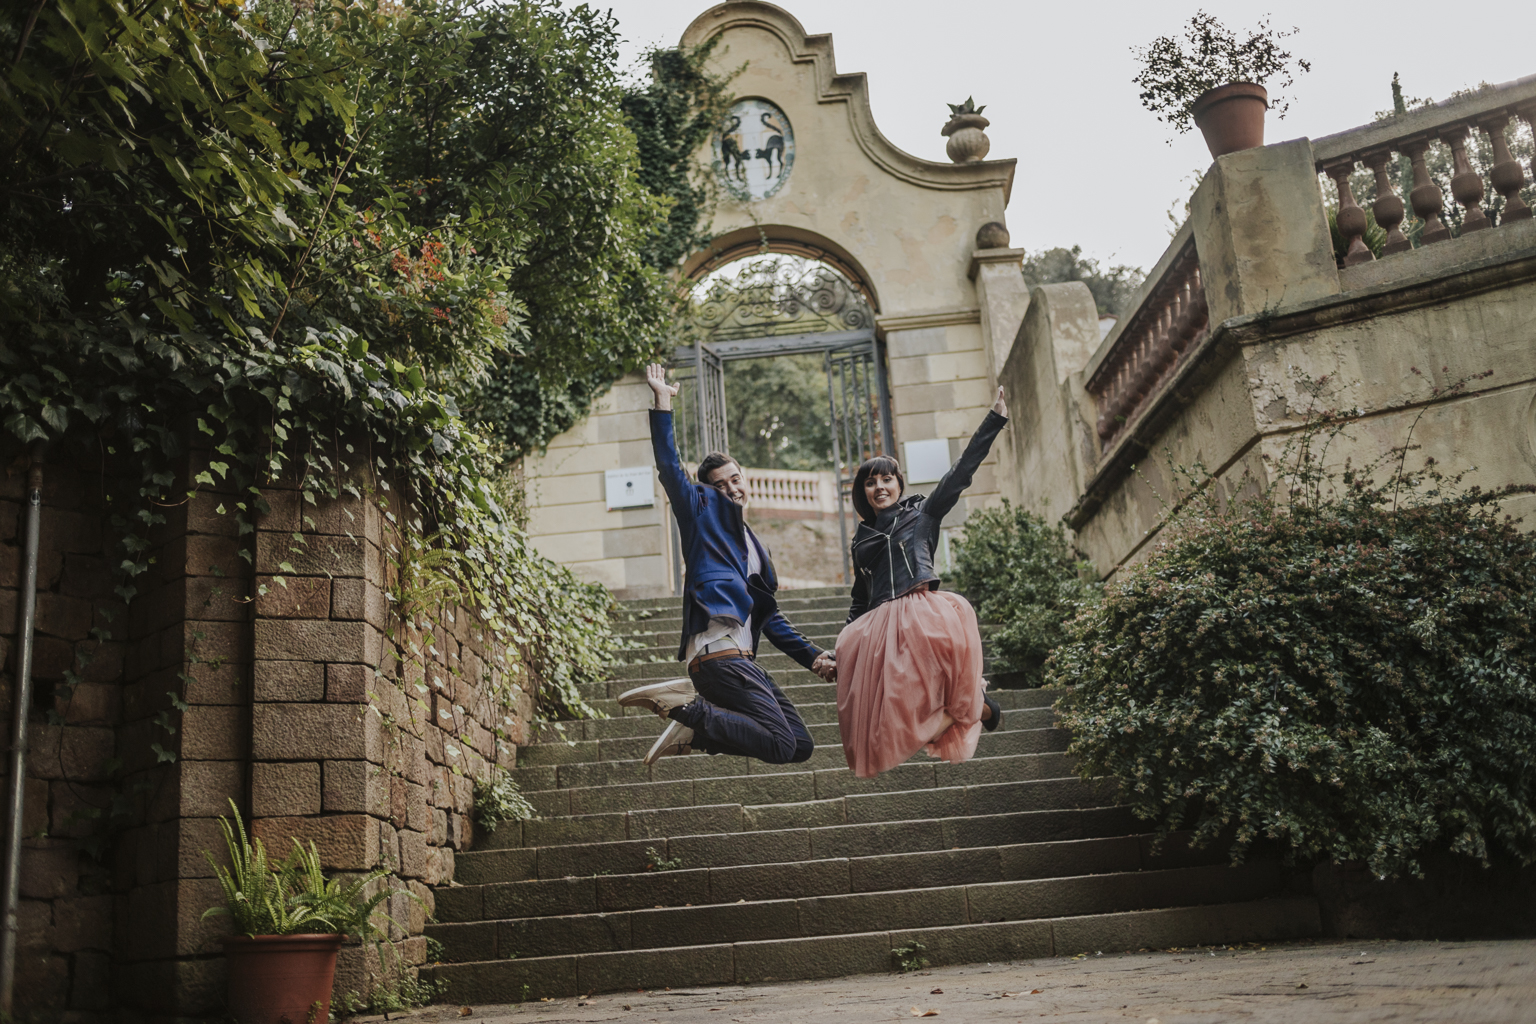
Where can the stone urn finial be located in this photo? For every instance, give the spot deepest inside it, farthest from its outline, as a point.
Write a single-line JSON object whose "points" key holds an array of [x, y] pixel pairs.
{"points": [[967, 142], [992, 235]]}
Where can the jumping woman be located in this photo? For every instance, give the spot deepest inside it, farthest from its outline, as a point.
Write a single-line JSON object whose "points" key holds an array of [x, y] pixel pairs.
{"points": [[908, 661]]}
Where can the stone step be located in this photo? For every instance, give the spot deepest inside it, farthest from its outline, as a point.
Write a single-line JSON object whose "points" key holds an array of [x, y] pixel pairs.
{"points": [[807, 916], [905, 776], [511, 862], [740, 963], [856, 808], [788, 787], [829, 755], [801, 694], [495, 898]]}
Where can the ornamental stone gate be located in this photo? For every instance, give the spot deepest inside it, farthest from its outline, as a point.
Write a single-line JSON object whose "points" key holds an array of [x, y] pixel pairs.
{"points": [[804, 171]]}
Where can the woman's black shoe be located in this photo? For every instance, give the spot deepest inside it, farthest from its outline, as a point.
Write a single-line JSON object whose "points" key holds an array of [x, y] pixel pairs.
{"points": [[990, 724]]}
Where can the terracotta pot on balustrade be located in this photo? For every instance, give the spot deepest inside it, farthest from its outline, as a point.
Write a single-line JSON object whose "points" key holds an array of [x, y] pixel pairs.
{"points": [[1231, 117]]}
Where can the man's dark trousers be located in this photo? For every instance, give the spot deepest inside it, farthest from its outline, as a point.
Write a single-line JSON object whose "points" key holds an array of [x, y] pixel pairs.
{"points": [[743, 713]]}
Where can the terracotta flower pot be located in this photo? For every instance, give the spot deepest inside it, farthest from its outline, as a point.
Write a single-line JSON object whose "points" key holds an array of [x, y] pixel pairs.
{"points": [[1231, 117], [279, 979]]}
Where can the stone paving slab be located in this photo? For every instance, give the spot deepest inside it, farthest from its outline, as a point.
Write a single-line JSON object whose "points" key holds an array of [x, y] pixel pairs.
{"points": [[1309, 982]]}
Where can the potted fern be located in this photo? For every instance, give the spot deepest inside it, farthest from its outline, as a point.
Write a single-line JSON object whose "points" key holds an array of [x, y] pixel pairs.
{"points": [[290, 921], [1212, 80]]}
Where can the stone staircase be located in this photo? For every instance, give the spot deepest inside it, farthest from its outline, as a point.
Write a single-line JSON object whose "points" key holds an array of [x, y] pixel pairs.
{"points": [[716, 870]]}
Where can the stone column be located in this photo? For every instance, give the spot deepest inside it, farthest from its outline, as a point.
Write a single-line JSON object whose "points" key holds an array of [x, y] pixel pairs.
{"points": [[1261, 231], [1000, 292]]}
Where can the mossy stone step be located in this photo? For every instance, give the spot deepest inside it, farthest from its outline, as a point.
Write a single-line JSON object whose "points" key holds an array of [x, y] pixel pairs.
{"points": [[536, 977], [807, 916]]}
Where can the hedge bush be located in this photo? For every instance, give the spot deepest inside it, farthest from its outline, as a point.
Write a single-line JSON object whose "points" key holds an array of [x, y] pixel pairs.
{"points": [[1345, 668], [1023, 577]]}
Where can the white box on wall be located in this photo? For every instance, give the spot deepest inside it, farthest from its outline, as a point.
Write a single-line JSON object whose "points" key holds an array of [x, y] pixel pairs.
{"points": [[630, 488], [926, 461]]}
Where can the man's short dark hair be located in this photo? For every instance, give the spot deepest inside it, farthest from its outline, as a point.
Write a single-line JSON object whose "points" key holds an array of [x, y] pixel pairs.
{"points": [[712, 462]]}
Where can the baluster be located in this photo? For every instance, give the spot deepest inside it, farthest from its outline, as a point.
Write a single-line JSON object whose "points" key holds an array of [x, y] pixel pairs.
{"points": [[1425, 197], [1528, 115], [1351, 219], [1185, 330], [1388, 208], [1200, 313], [1507, 174], [1163, 353], [1466, 184]]}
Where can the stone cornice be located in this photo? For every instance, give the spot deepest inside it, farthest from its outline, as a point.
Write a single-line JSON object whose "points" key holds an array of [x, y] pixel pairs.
{"points": [[851, 89], [930, 318]]}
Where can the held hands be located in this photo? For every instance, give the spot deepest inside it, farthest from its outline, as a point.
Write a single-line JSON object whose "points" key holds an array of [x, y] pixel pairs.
{"points": [[1000, 407], [825, 667], [656, 377]]}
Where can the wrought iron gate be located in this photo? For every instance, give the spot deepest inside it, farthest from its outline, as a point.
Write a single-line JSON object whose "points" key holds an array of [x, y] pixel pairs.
{"points": [[859, 409], [699, 421]]}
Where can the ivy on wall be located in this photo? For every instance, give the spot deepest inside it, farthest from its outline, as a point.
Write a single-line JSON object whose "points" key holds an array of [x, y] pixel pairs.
{"points": [[308, 236]]}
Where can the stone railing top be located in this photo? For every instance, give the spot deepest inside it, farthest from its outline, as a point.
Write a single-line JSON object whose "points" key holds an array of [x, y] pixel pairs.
{"points": [[1426, 122]]}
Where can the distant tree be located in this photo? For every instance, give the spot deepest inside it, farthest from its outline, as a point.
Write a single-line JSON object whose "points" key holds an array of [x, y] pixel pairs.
{"points": [[777, 413], [1112, 287]]}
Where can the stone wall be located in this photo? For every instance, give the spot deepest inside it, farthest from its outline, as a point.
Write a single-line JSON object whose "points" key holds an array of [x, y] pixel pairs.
{"points": [[307, 702], [1391, 338]]}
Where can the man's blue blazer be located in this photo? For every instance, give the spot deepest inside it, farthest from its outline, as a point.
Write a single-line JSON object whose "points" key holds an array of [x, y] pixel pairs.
{"points": [[714, 540]]}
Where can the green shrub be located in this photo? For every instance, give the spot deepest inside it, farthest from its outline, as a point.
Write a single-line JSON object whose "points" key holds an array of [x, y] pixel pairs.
{"points": [[498, 799], [1021, 576], [293, 897], [1340, 665]]}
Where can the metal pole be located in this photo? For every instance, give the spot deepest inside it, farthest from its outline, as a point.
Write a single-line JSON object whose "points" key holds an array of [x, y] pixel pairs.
{"points": [[21, 699], [837, 472]]}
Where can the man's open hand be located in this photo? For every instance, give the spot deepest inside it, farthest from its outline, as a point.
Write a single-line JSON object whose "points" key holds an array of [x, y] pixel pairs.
{"points": [[656, 377]]}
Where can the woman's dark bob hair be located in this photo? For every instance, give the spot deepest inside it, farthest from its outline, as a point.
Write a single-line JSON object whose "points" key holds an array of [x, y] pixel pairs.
{"points": [[880, 465]]}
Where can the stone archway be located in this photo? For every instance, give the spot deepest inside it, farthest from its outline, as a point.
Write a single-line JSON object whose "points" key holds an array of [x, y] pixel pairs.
{"points": [[805, 171]]}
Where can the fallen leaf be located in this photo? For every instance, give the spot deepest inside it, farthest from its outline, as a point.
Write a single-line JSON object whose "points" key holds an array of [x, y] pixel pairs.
{"points": [[465, 1011], [1037, 991], [924, 1013], [626, 1006], [1302, 985], [937, 992]]}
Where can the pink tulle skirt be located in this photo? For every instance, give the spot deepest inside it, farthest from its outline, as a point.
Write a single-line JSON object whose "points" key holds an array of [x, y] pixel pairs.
{"points": [[899, 669]]}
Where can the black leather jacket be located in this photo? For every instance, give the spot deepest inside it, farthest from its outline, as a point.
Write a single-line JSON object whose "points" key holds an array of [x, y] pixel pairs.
{"points": [[894, 555]]}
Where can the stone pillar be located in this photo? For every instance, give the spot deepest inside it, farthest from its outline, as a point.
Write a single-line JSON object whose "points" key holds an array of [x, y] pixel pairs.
{"points": [[1000, 292], [1261, 231]]}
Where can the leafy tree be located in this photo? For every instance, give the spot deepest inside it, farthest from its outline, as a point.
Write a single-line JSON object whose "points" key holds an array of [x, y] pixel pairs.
{"points": [[777, 411], [285, 225], [1023, 577], [1112, 287]]}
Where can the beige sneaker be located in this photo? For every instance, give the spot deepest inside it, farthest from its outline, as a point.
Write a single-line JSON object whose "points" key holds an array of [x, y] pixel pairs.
{"points": [[675, 739], [659, 698]]}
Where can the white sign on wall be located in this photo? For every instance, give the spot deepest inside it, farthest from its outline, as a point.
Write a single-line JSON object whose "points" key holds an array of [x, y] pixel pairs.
{"points": [[630, 488], [926, 461]]}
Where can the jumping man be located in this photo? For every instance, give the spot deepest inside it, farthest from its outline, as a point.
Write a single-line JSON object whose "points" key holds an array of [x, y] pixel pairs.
{"points": [[728, 705]]}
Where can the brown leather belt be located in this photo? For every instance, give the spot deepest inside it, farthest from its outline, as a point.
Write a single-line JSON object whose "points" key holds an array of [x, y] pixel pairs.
{"points": [[734, 652]]}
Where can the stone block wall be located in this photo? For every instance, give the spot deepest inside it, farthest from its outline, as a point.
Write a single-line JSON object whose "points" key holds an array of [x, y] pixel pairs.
{"points": [[270, 670]]}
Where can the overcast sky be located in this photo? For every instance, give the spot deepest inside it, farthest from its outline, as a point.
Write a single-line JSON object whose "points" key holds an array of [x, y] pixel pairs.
{"points": [[1094, 167]]}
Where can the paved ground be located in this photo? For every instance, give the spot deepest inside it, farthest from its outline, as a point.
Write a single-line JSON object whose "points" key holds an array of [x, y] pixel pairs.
{"points": [[1292, 983]]}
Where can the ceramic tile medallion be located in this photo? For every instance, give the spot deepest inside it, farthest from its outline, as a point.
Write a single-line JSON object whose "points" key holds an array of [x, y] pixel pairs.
{"points": [[754, 149]]}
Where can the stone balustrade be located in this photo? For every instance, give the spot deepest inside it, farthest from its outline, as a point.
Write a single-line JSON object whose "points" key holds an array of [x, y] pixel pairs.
{"points": [[1150, 340], [1456, 123], [790, 490]]}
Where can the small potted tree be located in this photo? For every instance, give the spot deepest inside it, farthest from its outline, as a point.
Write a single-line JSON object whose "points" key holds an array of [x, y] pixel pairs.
{"points": [[1215, 81], [291, 922]]}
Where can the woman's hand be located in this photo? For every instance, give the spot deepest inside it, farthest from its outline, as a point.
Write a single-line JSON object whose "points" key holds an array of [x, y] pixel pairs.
{"points": [[1000, 407], [656, 377]]}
